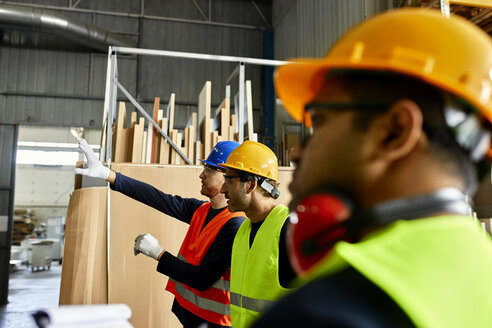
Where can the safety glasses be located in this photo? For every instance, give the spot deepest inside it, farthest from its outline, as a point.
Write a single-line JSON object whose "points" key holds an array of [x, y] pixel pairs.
{"points": [[211, 170], [308, 124], [229, 178]]}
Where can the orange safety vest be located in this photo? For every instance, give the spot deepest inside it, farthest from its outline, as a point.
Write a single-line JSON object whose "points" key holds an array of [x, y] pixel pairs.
{"points": [[212, 304]]}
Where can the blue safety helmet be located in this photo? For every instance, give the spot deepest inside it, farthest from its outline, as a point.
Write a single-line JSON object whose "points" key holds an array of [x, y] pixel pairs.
{"points": [[219, 154]]}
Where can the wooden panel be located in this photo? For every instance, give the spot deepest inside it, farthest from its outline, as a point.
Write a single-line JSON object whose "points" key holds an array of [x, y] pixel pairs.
{"points": [[174, 139], [138, 141], [121, 147], [215, 139], [160, 114], [232, 134], [186, 142], [198, 152], [179, 139], [191, 148], [144, 147], [234, 122], [475, 3], [249, 107], [204, 116], [225, 118], [148, 150], [164, 145], [155, 132], [170, 113]]}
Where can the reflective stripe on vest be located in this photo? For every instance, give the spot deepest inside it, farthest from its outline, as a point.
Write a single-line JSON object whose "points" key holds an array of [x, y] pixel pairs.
{"points": [[201, 302], [221, 284], [249, 303], [212, 304]]}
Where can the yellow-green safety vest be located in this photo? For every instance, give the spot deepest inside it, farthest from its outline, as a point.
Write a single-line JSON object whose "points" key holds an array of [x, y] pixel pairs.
{"points": [[254, 272], [438, 270]]}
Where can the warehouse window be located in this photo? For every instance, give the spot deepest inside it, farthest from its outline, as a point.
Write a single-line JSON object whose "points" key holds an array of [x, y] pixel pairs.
{"points": [[50, 153]]}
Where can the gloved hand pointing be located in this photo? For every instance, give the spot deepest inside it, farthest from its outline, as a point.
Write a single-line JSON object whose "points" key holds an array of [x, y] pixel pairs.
{"points": [[95, 168], [147, 244]]}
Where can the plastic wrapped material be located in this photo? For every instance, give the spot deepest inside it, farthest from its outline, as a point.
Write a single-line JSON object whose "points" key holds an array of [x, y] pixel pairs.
{"points": [[84, 316]]}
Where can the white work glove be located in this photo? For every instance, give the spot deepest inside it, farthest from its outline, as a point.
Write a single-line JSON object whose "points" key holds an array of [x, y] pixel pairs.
{"points": [[147, 244], [95, 168]]}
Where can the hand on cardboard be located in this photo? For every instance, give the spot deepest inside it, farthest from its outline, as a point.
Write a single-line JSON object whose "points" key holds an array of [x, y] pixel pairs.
{"points": [[147, 244], [94, 166]]}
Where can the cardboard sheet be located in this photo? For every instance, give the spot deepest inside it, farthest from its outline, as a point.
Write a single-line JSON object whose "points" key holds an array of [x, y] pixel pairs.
{"points": [[84, 267]]}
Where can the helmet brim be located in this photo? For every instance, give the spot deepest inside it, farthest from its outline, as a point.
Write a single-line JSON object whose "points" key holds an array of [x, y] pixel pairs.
{"points": [[297, 83]]}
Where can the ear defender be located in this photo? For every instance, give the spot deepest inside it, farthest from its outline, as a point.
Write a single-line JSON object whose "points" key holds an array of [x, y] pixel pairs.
{"points": [[324, 218], [316, 224]]}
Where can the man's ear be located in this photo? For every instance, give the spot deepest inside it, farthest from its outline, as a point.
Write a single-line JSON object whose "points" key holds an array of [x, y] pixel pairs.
{"points": [[401, 130], [250, 186]]}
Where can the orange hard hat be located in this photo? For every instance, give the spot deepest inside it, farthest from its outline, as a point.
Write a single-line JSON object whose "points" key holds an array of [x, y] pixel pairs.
{"points": [[450, 53], [254, 157]]}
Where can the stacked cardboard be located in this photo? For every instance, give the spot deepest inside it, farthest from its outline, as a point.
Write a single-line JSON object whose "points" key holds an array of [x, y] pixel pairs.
{"points": [[93, 273]]}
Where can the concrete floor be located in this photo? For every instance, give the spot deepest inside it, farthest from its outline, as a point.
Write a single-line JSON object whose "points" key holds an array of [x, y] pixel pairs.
{"points": [[29, 292]]}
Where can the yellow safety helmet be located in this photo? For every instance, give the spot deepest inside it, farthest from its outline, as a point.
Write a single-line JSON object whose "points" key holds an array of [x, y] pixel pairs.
{"points": [[450, 53], [253, 157]]}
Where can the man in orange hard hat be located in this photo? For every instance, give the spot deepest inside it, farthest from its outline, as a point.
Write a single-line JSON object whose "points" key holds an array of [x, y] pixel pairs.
{"points": [[399, 117], [260, 268]]}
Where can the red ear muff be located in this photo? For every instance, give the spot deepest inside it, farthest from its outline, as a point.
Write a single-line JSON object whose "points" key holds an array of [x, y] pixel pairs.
{"points": [[315, 226]]}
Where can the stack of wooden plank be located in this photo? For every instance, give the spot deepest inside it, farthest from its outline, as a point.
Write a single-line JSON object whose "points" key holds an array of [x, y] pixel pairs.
{"points": [[141, 142], [24, 221]]}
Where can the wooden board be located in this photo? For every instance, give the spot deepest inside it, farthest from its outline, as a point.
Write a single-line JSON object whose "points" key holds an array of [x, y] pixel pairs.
{"points": [[160, 114], [164, 145], [224, 111], [249, 108], [121, 147], [186, 142], [138, 141], [204, 116], [133, 119], [191, 147], [198, 152], [155, 132], [174, 139], [144, 147], [148, 150], [215, 139], [170, 113], [179, 139]]}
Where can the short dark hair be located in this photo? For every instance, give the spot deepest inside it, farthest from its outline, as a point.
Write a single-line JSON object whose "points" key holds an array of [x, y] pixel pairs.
{"points": [[384, 87]]}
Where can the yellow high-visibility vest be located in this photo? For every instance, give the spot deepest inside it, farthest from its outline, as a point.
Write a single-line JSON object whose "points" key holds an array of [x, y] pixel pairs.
{"points": [[254, 272], [437, 270]]}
